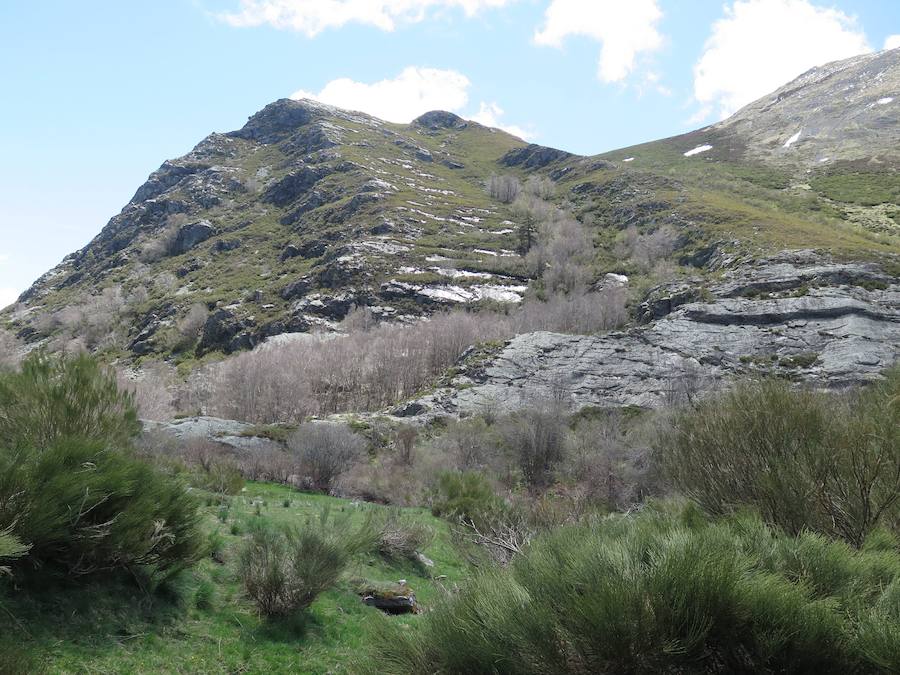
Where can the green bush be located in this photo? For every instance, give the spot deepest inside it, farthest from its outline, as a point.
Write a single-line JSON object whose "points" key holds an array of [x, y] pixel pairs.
{"points": [[71, 487], [806, 460], [51, 398], [284, 570], [10, 549], [464, 495], [222, 477], [664, 592], [85, 508]]}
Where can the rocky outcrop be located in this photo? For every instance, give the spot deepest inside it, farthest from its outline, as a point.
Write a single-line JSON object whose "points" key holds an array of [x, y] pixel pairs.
{"points": [[440, 119], [832, 335], [534, 157], [237, 437], [225, 332], [190, 235]]}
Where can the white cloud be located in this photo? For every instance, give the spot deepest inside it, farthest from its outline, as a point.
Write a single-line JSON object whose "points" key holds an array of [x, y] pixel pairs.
{"points": [[7, 297], [401, 99], [411, 93], [489, 115], [625, 29], [314, 16], [760, 45], [892, 42]]}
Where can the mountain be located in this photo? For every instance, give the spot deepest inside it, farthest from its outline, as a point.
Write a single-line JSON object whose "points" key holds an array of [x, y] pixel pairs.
{"points": [[779, 229]]}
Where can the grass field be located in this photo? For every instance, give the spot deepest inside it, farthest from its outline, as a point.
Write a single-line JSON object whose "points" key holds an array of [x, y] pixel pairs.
{"points": [[201, 623]]}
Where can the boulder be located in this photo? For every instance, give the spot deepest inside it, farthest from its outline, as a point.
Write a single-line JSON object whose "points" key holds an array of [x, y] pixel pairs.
{"points": [[192, 234]]}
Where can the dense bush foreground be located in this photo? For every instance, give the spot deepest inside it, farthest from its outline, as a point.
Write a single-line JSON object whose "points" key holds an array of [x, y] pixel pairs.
{"points": [[666, 592], [71, 490]]}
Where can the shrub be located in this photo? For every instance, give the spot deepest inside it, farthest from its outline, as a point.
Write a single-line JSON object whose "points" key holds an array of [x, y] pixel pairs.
{"points": [[538, 439], [325, 451], [806, 460], [663, 592], [464, 495], [284, 570], [402, 537], [64, 397], [223, 477], [84, 508], [10, 549], [70, 486]]}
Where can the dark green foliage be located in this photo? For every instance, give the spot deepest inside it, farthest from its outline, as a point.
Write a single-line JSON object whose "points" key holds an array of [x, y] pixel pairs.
{"points": [[10, 549], [806, 460], [205, 595], [84, 508], [664, 592], [464, 495], [223, 478], [70, 486], [285, 569], [866, 188], [63, 397]]}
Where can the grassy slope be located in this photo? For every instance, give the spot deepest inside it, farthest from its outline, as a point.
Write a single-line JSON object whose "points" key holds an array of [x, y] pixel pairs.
{"points": [[766, 208], [110, 627]]}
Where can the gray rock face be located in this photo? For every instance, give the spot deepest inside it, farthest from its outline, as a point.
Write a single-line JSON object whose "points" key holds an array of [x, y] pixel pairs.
{"points": [[832, 335], [232, 435], [192, 234], [534, 157], [839, 111]]}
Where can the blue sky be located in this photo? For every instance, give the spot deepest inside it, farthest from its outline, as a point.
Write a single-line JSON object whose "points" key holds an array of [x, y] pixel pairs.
{"points": [[98, 93]]}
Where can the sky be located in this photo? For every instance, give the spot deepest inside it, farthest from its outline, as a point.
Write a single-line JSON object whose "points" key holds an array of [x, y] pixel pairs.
{"points": [[96, 94]]}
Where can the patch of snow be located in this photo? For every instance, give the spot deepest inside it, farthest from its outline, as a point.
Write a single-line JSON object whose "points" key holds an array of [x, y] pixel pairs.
{"points": [[698, 150], [506, 231], [885, 101], [793, 139], [619, 279], [824, 159], [450, 293], [500, 293], [484, 252], [436, 258], [459, 274], [628, 159]]}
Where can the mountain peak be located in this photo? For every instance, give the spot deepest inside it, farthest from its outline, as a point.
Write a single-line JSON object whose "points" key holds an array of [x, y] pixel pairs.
{"points": [[440, 119], [276, 121]]}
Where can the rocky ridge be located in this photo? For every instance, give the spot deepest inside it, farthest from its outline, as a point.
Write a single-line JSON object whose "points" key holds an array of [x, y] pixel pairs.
{"points": [[796, 315]]}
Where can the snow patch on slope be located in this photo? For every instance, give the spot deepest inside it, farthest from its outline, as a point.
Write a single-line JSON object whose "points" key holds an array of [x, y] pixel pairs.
{"points": [[698, 150], [793, 139]]}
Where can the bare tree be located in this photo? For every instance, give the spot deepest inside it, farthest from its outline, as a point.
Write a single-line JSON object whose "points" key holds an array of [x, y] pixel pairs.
{"points": [[10, 350], [325, 451], [405, 442], [504, 188]]}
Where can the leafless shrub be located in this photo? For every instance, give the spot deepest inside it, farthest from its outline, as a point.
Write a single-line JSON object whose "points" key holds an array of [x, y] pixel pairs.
{"points": [[405, 443], [645, 250], [540, 187], [325, 451], [10, 354], [538, 439], [580, 314], [161, 244], [359, 320], [153, 387], [97, 320], [504, 188], [188, 327]]}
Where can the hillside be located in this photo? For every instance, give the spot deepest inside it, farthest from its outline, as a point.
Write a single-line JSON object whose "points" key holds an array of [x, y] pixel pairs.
{"points": [[287, 224]]}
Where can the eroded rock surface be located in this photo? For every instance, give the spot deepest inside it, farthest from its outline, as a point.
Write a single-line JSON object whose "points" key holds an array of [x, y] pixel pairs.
{"points": [[827, 323]]}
